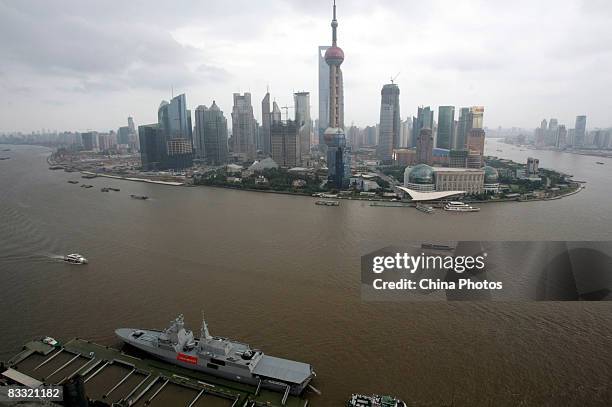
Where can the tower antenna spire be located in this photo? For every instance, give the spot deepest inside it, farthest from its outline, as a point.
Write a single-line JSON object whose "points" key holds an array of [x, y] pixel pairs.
{"points": [[334, 25]]}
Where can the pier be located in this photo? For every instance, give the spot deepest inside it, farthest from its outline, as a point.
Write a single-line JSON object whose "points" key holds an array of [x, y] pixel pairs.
{"points": [[113, 377]]}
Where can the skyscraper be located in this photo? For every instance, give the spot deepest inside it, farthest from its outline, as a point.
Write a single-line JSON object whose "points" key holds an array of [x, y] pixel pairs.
{"points": [[152, 146], [446, 124], [424, 147], [304, 123], [323, 94], [123, 135], [276, 113], [390, 123], [133, 134], [580, 131], [211, 131], [265, 122], [131, 125], [284, 142], [552, 134], [424, 120], [338, 164], [89, 140], [243, 128], [476, 138], [561, 137], [173, 118], [464, 125], [175, 123]]}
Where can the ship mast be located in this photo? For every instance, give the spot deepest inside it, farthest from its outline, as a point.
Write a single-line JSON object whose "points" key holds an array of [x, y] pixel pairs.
{"points": [[204, 334]]}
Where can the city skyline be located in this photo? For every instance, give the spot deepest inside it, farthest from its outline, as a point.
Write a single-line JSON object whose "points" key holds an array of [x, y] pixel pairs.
{"points": [[122, 66]]}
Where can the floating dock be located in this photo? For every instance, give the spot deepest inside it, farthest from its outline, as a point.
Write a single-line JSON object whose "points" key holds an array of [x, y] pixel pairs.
{"points": [[112, 376]]}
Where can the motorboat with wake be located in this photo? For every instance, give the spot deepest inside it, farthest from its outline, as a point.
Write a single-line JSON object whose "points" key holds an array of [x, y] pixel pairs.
{"points": [[75, 258]]}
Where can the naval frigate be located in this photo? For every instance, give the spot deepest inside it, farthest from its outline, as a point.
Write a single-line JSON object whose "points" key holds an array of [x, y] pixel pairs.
{"points": [[221, 357]]}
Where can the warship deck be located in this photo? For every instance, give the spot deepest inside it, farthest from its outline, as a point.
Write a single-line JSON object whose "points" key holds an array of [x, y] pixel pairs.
{"points": [[112, 376]]}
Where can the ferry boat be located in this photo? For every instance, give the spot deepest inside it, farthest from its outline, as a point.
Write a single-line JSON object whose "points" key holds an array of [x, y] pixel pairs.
{"points": [[360, 400], [142, 197], [75, 258], [454, 206], [328, 203]]}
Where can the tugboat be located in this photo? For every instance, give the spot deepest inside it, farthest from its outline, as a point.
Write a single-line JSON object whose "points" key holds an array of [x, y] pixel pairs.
{"points": [[75, 258], [360, 400], [220, 357]]}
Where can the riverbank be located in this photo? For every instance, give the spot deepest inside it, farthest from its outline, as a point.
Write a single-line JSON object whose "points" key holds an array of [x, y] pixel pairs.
{"points": [[587, 153], [72, 167]]}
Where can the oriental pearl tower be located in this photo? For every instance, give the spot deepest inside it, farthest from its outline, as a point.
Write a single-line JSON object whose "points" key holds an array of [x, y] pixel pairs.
{"points": [[335, 140]]}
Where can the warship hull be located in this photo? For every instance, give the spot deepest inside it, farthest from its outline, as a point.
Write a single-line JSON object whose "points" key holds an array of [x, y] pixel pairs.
{"points": [[269, 372]]}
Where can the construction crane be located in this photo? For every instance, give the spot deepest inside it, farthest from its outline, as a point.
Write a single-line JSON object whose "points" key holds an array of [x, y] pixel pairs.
{"points": [[395, 77]]}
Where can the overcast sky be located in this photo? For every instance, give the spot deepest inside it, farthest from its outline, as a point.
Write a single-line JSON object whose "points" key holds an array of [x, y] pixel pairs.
{"points": [[78, 65]]}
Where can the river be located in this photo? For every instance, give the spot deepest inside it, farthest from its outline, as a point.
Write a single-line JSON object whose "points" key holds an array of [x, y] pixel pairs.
{"points": [[282, 274]]}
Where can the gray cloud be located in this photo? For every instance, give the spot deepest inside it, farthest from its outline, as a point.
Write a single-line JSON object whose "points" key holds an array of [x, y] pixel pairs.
{"points": [[524, 60]]}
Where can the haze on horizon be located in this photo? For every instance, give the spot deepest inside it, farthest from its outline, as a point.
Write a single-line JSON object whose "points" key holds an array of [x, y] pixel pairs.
{"points": [[74, 65]]}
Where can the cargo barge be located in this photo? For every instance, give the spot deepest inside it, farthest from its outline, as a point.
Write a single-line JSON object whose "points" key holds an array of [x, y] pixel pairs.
{"points": [[111, 376]]}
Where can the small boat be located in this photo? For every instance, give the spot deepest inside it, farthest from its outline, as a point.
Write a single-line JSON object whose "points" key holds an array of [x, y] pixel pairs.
{"points": [[360, 400], [114, 189], [327, 203], [425, 208], [88, 176], [460, 207], [105, 189], [75, 258], [71, 181], [143, 197], [50, 341], [599, 162], [7, 149], [56, 167], [5, 158], [86, 186]]}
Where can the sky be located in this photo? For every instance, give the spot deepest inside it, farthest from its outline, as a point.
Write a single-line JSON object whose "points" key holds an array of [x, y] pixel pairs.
{"points": [[87, 65]]}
